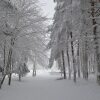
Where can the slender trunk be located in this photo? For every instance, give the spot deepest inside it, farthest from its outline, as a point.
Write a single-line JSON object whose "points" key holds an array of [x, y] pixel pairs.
{"points": [[34, 67], [74, 67], [69, 69], [63, 61], [19, 71], [85, 59], [85, 66], [10, 66], [4, 71], [78, 61], [10, 61], [9, 82], [4, 68], [2, 81], [19, 76]]}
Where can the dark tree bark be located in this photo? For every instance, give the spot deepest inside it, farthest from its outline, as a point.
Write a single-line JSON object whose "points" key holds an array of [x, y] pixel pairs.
{"points": [[2, 81], [63, 61], [73, 59], [78, 60], [4, 68], [9, 65]]}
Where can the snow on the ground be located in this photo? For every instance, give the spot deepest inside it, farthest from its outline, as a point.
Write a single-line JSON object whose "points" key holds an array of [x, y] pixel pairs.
{"points": [[47, 87]]}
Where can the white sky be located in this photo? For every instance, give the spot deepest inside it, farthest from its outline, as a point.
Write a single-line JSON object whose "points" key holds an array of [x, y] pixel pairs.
{"points": [[48, 7]]}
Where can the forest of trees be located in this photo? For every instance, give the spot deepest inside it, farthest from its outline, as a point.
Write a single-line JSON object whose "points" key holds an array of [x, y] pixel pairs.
{"points": [[22, 37], [74, 38]]}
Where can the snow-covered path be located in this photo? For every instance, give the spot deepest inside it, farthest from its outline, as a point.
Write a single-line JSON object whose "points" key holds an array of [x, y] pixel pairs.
{"points": [[48, 88]]}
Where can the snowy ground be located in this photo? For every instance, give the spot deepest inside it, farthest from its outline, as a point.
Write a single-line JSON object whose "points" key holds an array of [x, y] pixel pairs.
{"points": [[47, 87]]}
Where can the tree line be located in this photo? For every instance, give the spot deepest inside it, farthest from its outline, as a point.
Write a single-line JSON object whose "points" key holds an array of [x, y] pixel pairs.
{"points": [[74, 38], [22, 37]]}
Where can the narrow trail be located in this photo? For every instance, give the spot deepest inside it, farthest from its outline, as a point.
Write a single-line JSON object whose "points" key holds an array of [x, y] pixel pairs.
{"points": [[47, 87]]}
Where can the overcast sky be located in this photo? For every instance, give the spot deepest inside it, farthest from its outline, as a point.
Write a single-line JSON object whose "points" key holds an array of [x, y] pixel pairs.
{"points": [[48, 7]]}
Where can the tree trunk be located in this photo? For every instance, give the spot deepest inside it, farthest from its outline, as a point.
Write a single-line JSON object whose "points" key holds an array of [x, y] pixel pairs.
{"points": [[4, 69], [34, 67], [73, 59], [85, 66], [9, 66], [2, 81], [9, 82], [85, 59], [78, 61], [19, 76], [69, 69], [63, 61]]}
